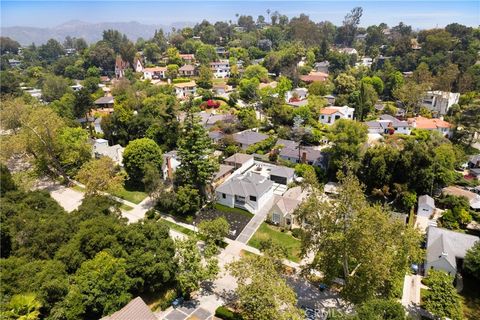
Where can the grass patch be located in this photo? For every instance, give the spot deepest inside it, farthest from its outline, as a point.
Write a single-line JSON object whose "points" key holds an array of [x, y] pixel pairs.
{"points": [[125, 207], [78, 188], [221, 207], [134, 196], [178, 228], [470, 297], [245, 253], [160, 299], [282, 238]]}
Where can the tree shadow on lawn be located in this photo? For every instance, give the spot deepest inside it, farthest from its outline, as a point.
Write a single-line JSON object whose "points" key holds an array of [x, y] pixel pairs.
{"points": [[236, 220]]}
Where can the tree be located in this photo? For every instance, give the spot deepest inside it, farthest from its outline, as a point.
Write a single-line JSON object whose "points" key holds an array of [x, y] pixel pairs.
{"points": [[262, 293], [366, 99], [195, 149], [256, 71], [23, 307], [346, 234], [188, 200], [411, 95], [347, 137], [248, 89], [205, 77], [153, 181], [205, 54], [100, 175], [283, 86], [172, 71], [74, 149], [152, 52], [103, 286], [101, 55], [54, 88], [9, 84], [346, 33], [51, 50], [378, 309], [8, 45], [137, 155], [345, 84], [472, 260], [192, 268], [442, 299], [213, 231], [248, 118], [6, 181]]}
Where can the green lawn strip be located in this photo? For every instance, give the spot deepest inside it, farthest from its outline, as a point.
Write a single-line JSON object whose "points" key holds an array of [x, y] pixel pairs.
{"points": [[178, 228], [288, 241], [223, 208], [132, 196], [245, 253], [470, 297], [125, 207], [78, 188]]}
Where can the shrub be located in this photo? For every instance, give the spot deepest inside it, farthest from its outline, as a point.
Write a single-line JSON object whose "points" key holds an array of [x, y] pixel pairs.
{"points": [[167, 299], [226, 314], [297, 233], [181, 80]]}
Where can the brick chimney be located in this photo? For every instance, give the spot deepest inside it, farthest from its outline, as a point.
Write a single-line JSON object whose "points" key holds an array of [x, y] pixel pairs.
{"points": [[304, 157]]}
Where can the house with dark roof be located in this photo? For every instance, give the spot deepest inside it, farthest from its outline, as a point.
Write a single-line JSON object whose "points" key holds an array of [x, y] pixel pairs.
{"points": [[248, 191], [104, 102], [248, 137], [446, 249], [136, 309], [187, 70], [293, 152]]}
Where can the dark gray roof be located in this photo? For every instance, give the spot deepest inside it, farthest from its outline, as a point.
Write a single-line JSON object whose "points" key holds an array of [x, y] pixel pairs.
{"points": [[449, 244], [104, 100], [222, 170], [249, 137], [134, 310], [215, 135], [426, 200], [312, 155], [282, 171], [239, 158], [287, 143], [250, 184]]}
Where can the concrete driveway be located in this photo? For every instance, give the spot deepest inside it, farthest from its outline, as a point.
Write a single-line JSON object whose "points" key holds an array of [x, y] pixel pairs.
{"points": [[255, 223], [68, 198]]}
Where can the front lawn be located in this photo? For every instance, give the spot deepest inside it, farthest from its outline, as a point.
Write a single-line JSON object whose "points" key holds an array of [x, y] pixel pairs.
{"points": [[470, 297], [178, 228], [285, 239], [134, 196], [236, 218]]}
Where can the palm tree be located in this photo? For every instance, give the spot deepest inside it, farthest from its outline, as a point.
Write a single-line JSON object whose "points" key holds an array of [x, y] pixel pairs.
{"points": [[23, 307]]}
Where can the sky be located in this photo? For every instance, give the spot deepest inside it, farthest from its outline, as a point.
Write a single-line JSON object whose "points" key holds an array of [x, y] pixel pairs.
{"points": [[418, 14]]}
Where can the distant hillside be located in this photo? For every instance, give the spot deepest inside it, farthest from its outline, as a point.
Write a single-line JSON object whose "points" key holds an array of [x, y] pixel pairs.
{"points": [[91, 32]]}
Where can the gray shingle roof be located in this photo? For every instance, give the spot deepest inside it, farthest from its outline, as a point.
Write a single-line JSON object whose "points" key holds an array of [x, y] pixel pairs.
{"points": [[104, 100], [282, 171], [134, 310], [450, 244], [239, 158], [249, 137], [426, 199], [250, 184]]}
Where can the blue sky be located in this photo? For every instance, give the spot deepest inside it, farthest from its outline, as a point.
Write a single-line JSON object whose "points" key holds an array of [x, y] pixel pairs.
{"points": [[419, 14]]}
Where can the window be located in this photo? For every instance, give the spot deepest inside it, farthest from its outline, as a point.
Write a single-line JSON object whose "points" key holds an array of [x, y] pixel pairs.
{"points": [[275, 218], [337, 117], [224, 196], [322, 117], [253, 198]]}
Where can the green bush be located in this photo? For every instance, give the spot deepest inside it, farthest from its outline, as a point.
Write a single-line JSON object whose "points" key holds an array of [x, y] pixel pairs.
{"points": [[297, 233], [226, 314], [181, 80], [167, 299]]}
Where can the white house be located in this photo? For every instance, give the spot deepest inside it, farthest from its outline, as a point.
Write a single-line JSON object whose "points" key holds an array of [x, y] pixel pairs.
{"points": [[348, 51], [155, 73], [329, 115], [137, 65], [297, 93], [446, 249], [220, 69], [185, 89], [426, 206], [249, 191], [388, 125], [440, 101], [102, 149]]}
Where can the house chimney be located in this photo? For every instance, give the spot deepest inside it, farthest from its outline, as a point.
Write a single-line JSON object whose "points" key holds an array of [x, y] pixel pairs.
{"points": [[169, 168], [304, 157]]}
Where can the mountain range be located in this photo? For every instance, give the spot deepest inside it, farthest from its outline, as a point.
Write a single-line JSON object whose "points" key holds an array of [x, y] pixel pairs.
{"points": [[91, 32]]}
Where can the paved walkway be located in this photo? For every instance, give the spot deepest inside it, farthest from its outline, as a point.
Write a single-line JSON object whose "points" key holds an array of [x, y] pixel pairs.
{"points": [[255, 223]]}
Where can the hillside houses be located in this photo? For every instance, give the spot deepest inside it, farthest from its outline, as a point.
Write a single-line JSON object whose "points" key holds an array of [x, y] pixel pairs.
{"points": [[439, 102], [329, 115], [442, 126], [389, 125]]}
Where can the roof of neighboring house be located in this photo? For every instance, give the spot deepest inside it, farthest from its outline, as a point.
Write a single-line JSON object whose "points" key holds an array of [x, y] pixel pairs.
{"points": [[155, 69], [239, 158], [187, 55], [474, 159], [425, 123], [332, 110], [287, 143], [171, 154], [290, 200], [134, 310], [272, 84], [102, 148], [426, 200], [222, 170], [448, 244], [187, 67], [314, 76], [300, 103], [105, 100], [311, 154], [250, 184], [395, 121], [249, 137], [185, 84], [214, 135], [473, 198], [282, 171]]}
